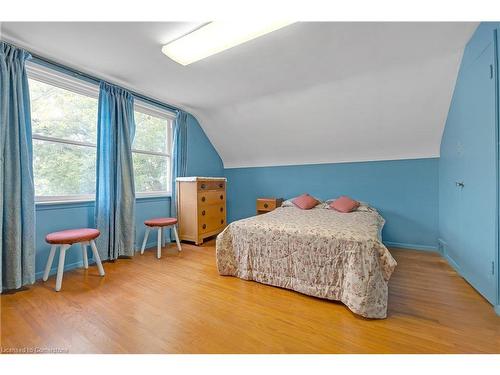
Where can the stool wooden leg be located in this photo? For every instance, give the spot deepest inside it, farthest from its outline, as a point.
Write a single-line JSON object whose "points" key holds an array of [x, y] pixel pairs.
{"points": [[158, 250], [60, 268], [177, 238], [97, 258], [84, 255], [49, 262], [145, 240]]}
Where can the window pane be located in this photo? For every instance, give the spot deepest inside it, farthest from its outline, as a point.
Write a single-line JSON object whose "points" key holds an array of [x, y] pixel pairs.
{"points": [[61, 169], [60, 113], [151, 133], [150, 173]]}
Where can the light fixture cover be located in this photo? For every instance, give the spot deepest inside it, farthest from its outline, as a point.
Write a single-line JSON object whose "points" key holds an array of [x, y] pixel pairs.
{"points": [[216, 37]]}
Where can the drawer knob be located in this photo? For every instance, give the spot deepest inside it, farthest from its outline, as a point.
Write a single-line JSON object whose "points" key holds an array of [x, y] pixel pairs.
{"points": [[203, 186], [203, 199], [221, 209], [266, 205], [203, 212], [221, 196], [222, 221], [204, 226], [221, 185]]}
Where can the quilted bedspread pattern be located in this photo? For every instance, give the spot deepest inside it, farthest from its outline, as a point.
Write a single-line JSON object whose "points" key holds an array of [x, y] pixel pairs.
{"points": [[319, 252]]}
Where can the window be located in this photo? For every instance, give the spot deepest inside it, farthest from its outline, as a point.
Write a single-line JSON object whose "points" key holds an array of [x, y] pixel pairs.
{"points": [[151, 150], [64, 124]]}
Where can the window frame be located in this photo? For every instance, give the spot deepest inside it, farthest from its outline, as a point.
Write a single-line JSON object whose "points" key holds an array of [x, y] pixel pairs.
{"points": [[155, 111], [74, 84]]}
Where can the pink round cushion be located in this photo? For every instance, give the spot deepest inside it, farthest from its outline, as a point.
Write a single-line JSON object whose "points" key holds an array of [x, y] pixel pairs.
{"points": [[161, 222], [305, 202], [344, 204], [71, 236]]}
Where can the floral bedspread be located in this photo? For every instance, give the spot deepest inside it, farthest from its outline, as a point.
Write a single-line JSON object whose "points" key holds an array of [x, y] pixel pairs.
{"points": [[319, 252]]}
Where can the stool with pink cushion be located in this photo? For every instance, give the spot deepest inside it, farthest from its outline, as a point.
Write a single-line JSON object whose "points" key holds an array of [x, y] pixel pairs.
{"points": [[160, 223], [66, 238]]}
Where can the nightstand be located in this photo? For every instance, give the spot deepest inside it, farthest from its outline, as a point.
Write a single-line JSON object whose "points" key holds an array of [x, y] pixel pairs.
{"points": [[268, 204]]}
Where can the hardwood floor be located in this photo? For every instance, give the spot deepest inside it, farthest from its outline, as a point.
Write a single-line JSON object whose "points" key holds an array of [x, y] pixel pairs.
{"points": [[180, 304]]}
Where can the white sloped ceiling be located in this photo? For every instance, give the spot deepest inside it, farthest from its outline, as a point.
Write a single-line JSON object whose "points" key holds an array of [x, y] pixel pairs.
{"points": [[308, 93]]}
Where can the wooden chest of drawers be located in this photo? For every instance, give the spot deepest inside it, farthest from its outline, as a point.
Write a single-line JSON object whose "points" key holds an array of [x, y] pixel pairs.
{"points": [[201, 207]]}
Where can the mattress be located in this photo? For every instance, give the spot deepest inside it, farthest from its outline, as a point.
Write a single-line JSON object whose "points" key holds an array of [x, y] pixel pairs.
{"points": [[318, 252]]}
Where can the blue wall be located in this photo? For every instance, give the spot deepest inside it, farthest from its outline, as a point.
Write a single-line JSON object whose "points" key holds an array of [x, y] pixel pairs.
{"points": [[404, 191], [468, 216], [203, 160]]}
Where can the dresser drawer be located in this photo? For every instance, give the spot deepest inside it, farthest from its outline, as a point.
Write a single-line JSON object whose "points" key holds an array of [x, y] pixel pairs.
{"points": [[211, 185], [212, 211], [211, 197], [266, 204], [211, 218]]}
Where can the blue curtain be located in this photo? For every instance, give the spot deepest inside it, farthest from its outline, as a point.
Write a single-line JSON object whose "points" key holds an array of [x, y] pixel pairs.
{"points": [[179, 156], [115, 190], [17, 202]]}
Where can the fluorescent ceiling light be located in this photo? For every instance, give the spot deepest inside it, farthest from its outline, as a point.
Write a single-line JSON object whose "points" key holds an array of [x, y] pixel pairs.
{"points": [[216, 37]]}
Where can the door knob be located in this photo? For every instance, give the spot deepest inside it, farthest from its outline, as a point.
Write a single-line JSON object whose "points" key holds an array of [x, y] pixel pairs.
{"points": [[459, 184]]}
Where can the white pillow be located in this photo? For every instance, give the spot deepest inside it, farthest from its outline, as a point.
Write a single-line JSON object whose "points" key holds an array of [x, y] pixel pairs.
{"points": [[288, 203]]}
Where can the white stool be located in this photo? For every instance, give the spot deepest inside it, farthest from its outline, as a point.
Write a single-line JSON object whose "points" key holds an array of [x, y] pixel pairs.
{"points": [[160, 224], [65, 239]]}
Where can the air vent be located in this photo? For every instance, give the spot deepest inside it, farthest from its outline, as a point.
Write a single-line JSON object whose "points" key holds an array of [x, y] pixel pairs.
{"points": [[442, 246]]}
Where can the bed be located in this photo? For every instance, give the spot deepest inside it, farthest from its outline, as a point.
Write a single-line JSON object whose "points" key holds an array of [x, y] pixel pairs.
{"points": [[318, 252]]}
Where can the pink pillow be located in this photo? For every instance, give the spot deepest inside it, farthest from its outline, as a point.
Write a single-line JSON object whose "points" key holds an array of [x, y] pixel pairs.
{"points": [[344, 204], [305, 202]]}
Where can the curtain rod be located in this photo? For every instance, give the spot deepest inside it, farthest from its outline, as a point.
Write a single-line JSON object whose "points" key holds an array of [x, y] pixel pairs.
{"points": [[88, 77]]}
